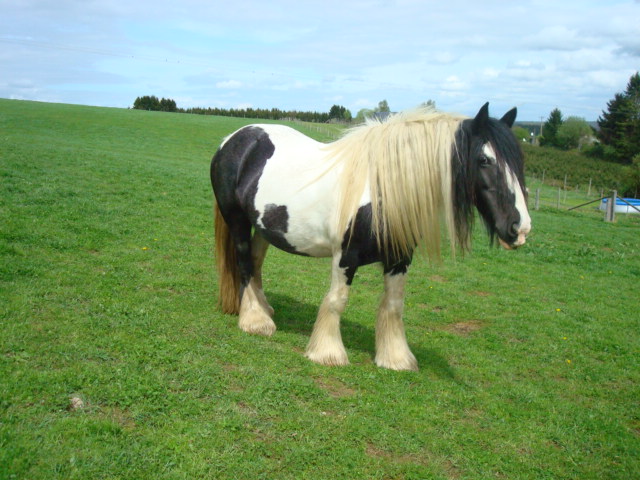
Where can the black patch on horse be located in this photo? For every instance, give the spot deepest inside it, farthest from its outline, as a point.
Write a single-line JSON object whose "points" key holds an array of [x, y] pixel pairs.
{"points": [[275, 223], [276, 217], [236, 169], [360, 247]]}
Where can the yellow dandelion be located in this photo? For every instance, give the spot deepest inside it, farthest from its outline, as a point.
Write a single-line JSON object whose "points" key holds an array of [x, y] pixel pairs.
{"points": [[568, 362], [558, 309], [145, 248]]}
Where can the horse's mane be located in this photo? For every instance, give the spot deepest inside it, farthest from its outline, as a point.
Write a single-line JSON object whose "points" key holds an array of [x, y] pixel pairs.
{"points": [[405, 162]]}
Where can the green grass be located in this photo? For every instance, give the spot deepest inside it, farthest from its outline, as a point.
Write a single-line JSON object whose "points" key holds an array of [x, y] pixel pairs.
{"points": [[529, 359]]}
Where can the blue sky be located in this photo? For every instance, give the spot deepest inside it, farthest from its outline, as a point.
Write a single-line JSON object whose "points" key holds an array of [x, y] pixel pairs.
{"points": [[309, 55]]}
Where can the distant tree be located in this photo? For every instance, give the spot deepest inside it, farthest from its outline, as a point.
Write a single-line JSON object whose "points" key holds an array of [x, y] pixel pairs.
{"points": [[168, 105], [550, 129], [383, 106], [148, 102], [339, 113], [632, 178], [151, 102], [620, 124], [363, 114], [522, 134], [428, 104], [572, 133]]}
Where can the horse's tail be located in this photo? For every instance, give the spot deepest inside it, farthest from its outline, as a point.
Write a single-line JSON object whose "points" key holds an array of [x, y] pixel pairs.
{"points": [[227, 266]]}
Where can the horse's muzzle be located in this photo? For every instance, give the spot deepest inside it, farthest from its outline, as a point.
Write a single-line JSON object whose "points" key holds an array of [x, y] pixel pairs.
{"points": [[520, 238]]}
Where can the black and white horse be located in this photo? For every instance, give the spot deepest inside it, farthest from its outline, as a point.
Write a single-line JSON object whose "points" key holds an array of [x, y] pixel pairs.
{"points": [[375, 195]]}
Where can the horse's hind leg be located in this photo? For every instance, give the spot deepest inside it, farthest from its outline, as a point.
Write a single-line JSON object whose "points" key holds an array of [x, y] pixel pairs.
{"points": [[255, 313], [259, 248], [392, 350], [325, 345]]}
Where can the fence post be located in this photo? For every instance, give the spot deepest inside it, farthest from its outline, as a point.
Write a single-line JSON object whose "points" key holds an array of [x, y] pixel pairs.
{"points": [[559, 195], [537, 199], [610, 214], [589, 192]]}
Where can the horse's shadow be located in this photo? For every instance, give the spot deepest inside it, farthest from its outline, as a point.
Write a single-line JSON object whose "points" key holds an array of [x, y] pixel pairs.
{"points": [[295, 316]]}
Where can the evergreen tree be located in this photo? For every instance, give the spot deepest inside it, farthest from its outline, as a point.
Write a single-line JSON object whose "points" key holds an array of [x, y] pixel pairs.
{"points": [[340, 114], [148, 102], [151, 102], [167, 105], [620, 124], [550, 129], [336, 112]]}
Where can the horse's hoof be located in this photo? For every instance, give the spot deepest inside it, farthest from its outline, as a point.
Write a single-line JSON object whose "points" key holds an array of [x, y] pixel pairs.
{"points": [[330, 359], [257, 323], [406, 363]]}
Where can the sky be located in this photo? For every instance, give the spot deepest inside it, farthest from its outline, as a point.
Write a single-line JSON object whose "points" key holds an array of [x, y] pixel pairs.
{"points": [[308, 55]]}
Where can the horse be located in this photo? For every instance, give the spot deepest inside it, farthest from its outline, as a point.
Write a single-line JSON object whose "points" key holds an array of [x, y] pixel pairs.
{"points": [[376, 195]]}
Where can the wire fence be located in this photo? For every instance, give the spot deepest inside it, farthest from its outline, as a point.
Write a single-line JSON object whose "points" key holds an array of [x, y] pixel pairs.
{"points": [[562, 196]]}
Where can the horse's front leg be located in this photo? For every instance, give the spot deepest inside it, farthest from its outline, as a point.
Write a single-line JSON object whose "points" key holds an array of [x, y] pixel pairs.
{"points": [[392, 350], [325, 345]]}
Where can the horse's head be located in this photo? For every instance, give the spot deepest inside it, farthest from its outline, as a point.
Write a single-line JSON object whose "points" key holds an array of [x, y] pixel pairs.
{"points": [[489, 174]]}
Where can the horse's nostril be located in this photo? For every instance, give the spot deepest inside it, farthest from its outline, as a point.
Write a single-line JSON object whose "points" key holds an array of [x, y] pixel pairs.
{"points": [[515, 228]]}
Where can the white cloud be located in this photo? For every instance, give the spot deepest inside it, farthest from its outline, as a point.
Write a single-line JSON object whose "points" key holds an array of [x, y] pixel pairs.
{"points": [[229, 84], [445, 57], [555, 37], [453, 86]]}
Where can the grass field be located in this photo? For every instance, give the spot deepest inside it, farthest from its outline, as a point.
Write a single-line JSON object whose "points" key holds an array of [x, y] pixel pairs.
{"points": [[115, 363]]}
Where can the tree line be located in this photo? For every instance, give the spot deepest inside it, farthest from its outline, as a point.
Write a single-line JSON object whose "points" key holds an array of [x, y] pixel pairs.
{"points": [[263, 113], [337, 113]]}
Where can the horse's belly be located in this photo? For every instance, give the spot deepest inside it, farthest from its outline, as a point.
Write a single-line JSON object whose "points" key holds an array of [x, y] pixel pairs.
{"points": [[295, 228]]}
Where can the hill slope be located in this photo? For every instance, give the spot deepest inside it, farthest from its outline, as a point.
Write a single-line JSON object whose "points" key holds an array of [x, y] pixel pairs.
{"points": [[116, 363]]}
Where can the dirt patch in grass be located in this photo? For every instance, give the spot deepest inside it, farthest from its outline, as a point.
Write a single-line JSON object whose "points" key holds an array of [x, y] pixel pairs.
{"points": [[480, 293], [437, 278], [464, 328], [119, 416], [447, 465], [335, 387]]}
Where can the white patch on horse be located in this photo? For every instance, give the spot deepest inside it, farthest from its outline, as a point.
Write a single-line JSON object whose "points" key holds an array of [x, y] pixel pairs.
{"points": [[521, 205], [296, 176], [490, 153], [514, 187]]}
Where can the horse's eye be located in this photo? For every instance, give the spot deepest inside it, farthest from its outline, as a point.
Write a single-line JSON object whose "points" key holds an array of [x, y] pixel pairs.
{"points": [[484, 161]]}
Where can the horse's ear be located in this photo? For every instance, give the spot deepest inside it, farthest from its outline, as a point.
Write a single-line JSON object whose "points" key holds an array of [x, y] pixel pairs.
{"points": [[481, 118], [510, 117]]}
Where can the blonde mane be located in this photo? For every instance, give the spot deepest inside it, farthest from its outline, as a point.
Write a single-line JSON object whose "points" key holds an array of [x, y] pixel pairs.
{"points": [[405, 162]]}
